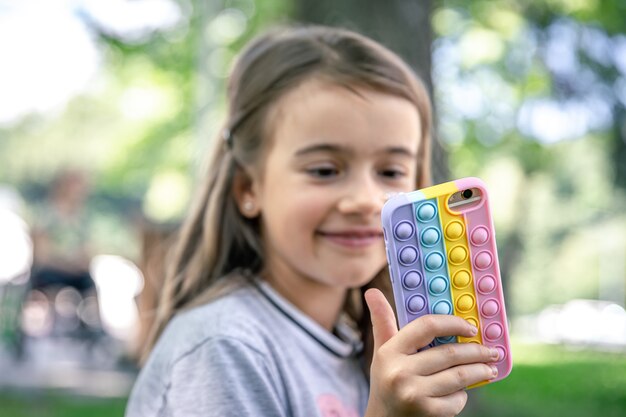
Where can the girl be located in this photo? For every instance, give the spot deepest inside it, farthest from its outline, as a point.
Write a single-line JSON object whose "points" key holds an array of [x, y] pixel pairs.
{"points": [[262, 312]]}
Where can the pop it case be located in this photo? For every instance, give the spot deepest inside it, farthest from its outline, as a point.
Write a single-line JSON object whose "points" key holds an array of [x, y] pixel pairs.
{"points": [[443, 261]]}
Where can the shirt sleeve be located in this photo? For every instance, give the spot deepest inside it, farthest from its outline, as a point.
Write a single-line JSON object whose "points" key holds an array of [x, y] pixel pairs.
{"points": [[224, 377]]}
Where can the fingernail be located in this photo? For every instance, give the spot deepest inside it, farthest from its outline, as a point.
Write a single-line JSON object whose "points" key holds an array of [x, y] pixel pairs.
{"points": [[473, 330], [494, 371], [494, 353]]}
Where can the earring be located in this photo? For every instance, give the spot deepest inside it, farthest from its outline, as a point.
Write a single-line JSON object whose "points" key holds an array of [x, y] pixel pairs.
{"points": [[248, 206]]}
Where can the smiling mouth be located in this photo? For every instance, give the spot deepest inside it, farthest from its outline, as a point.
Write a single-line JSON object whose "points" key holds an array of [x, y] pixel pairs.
{"points": [[353, 239]]}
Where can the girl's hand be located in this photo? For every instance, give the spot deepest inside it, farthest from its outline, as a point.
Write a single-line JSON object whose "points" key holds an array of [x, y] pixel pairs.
{"points": [[405, 382]]}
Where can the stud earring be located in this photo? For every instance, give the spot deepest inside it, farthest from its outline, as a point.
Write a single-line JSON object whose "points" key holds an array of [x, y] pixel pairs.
{"points": [[248, 206]]}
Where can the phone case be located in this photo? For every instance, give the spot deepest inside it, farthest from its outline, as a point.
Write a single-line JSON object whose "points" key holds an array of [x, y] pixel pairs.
{"points": [[444, 261]]}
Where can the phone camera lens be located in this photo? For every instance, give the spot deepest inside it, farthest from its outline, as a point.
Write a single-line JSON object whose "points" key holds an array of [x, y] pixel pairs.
{"points": [[467, 194]]}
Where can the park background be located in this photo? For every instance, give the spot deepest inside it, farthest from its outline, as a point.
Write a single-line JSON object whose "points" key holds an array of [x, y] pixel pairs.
{"points": [[529, 95]]}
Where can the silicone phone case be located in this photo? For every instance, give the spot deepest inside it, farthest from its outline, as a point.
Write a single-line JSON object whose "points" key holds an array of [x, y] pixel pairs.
{"points": [[443, 261]]}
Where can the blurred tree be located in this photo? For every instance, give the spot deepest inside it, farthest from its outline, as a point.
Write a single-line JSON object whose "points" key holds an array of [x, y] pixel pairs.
{"points": [[531, 95], [402, 25]]}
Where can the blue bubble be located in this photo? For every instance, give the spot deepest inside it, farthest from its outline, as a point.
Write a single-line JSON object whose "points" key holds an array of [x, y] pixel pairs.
{"points": [[426, 212], [446, 339], [430, 236], [442, 307], [438, 285], [434, 261]]}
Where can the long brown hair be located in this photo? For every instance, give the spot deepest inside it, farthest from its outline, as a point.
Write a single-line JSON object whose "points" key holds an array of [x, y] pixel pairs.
{"points": [[215, 240]]}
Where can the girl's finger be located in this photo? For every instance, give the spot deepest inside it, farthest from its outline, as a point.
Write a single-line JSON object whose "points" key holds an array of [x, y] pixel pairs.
{"points": [[383, 318], [449, 405], [458, 378], [421, 331], [449, 355]]}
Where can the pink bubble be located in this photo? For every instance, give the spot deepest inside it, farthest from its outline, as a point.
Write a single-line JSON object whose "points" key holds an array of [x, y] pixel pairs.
{"points": [[483, 260], [493, 331], [486, 284], [480, 235], [501, 353], [490, 308]]}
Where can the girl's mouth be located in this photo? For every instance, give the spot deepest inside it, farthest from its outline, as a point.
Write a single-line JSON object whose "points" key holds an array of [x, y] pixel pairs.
{"points": [[353, 238]]}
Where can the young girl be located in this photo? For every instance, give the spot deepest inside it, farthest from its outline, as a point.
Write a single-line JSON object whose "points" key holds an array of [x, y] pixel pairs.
{"points": [[263, 311]]}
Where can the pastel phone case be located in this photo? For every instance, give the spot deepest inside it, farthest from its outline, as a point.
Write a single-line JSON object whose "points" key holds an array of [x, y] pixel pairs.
{"points": [[443, 260]]}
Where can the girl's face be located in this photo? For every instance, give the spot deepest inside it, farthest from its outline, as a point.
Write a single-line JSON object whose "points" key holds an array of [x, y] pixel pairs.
{"points": [[332, 157]]}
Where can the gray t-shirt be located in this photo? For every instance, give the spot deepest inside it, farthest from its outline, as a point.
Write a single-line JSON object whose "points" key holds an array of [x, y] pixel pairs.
{"points": [[251, 353]]}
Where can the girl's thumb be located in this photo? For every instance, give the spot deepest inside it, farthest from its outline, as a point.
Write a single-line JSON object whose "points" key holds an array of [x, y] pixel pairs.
{"points": [[382, 316]]}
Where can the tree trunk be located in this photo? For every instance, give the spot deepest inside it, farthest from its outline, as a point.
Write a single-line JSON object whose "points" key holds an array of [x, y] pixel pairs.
{"points": [[401, 25]]}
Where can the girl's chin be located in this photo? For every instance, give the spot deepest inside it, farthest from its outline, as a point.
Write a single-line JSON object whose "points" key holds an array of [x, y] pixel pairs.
{"points": [[357, 280]]}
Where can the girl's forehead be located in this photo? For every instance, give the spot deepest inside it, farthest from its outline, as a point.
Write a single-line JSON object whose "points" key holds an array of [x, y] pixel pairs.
{"points": [[347, 116]]}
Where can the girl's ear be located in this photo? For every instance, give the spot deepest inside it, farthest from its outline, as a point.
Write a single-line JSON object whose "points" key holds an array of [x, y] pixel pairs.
{"points": [[245, 193]]}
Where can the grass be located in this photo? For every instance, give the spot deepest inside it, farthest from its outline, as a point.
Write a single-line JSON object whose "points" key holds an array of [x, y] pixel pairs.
{"points": [[555, 381], [57, 404], [545, 381]]}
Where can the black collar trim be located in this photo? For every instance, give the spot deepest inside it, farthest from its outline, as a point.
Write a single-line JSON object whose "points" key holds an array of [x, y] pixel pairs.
{"points": [[343, 347]]}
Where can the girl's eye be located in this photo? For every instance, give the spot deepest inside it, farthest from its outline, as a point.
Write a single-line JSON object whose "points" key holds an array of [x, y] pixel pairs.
{"points": [[323, 172], [392, 173]]}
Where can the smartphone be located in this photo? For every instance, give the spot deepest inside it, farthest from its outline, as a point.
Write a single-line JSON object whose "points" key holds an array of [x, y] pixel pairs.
{"points": [[441, 250]]}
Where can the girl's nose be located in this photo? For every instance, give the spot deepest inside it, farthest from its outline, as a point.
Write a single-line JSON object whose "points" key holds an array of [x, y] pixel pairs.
{"points": [[363, 198]]}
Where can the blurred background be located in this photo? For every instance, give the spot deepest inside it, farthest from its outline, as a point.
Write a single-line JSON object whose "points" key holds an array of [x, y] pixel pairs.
{"points": [[107, 107]]}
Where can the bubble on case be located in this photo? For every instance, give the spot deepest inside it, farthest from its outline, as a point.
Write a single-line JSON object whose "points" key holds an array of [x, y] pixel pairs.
{"points": [[442, 307], [426, 212], [479, 236], [434, 261], [483, 260], [457, 255], [454, 230], [446, 339], [438, 285], [501, 353], [416, 304], [403, 230], [472, 321], [461, 279], [486, 284], [412, 280], [493, 331], [465, 303], [430, 236], [408, 255], [490, 308]]}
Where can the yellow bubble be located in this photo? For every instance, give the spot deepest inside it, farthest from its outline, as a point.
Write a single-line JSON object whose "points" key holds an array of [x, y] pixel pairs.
{"points": [[461, 279], [454, 230], [472, 321], [465, 303], [458, 255]]}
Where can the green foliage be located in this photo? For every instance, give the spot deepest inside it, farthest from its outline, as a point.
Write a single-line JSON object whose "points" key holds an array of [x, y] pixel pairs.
{"points": [[56, 404], [153, 107], [555, 381], [527, 100], [143, 127]]}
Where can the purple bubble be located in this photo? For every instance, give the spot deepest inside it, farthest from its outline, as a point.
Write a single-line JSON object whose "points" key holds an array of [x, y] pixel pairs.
{"points": [[416, 304]]}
